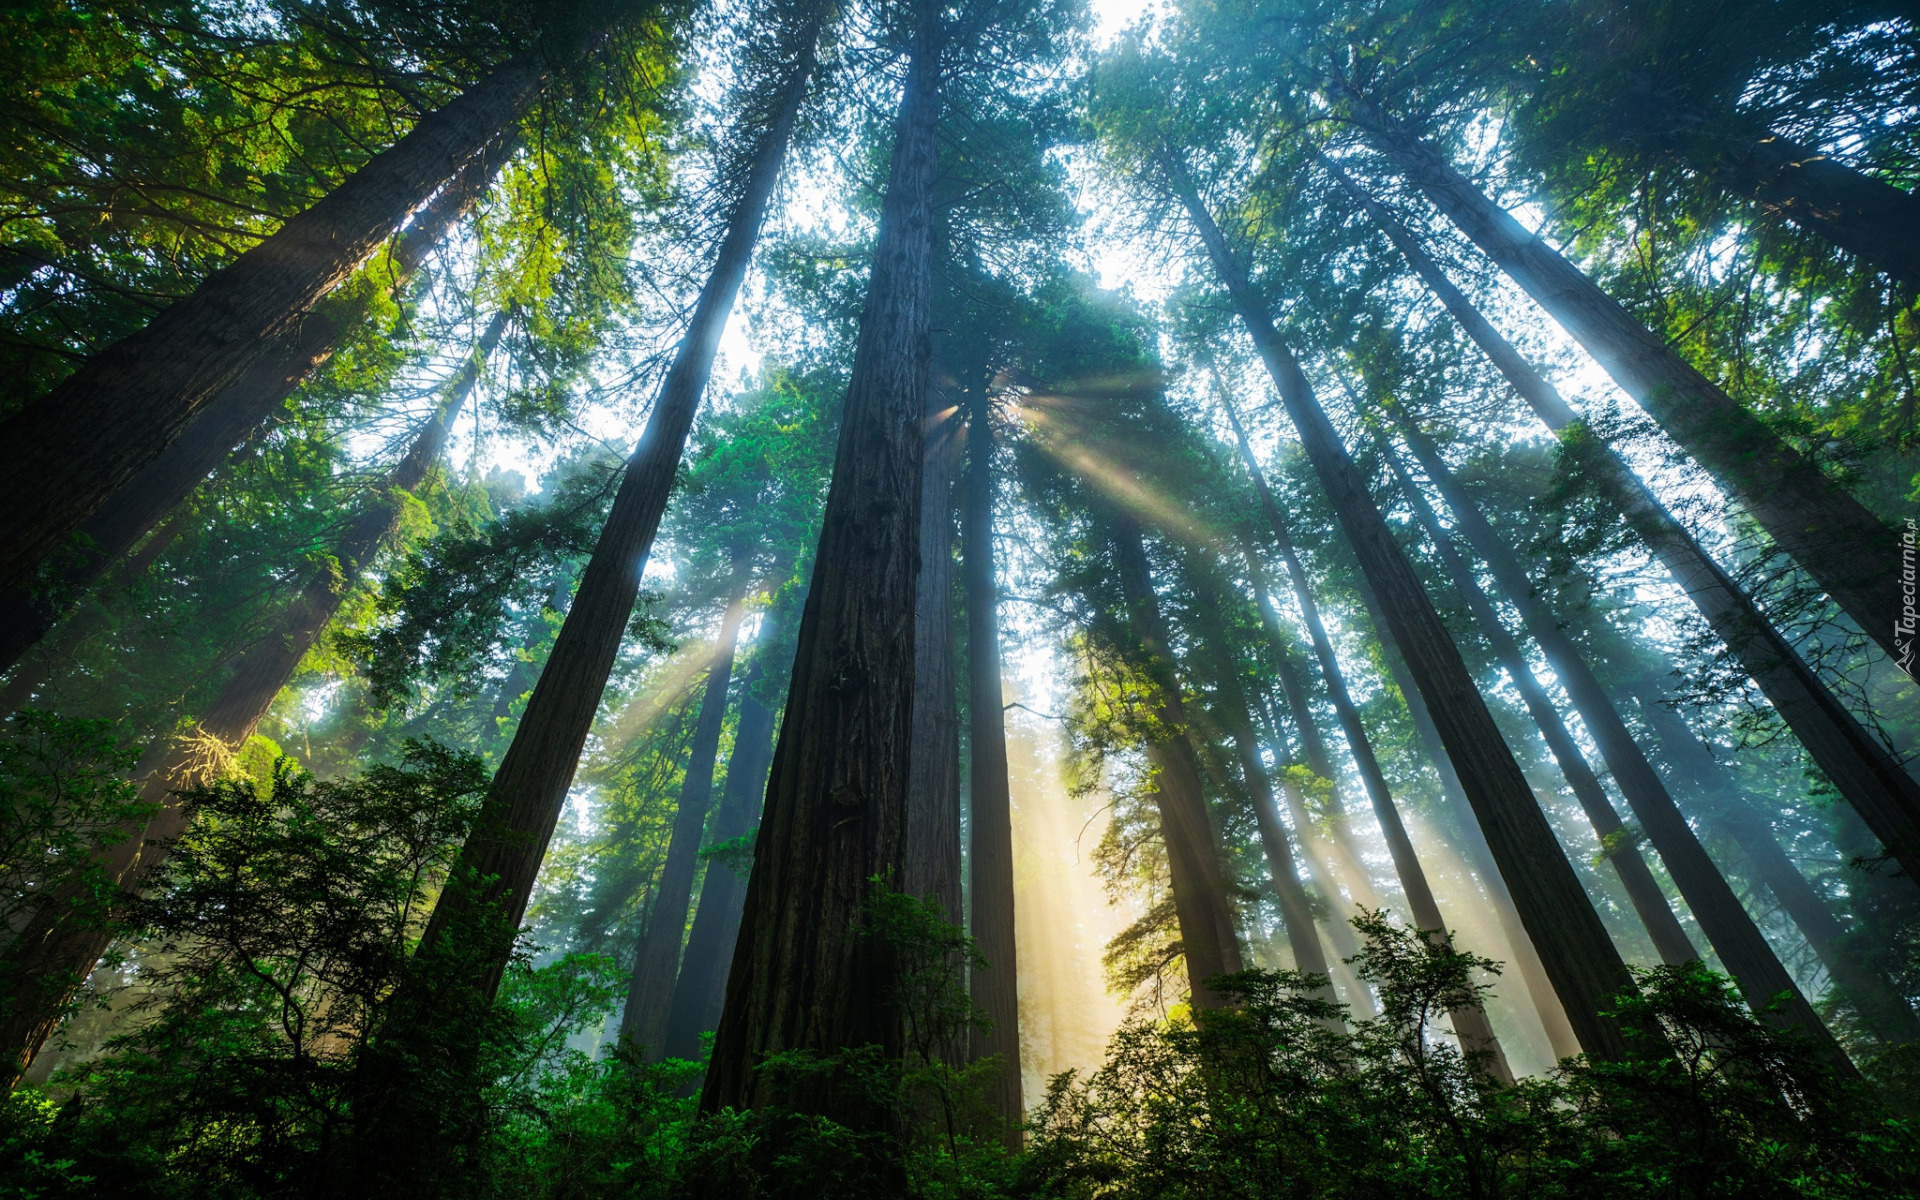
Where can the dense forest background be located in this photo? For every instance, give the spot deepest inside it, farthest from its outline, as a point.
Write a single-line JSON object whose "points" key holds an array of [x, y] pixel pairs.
{"points": [[997, 598]]}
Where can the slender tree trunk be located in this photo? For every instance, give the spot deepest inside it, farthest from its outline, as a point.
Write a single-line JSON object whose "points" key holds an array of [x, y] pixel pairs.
{"points": [[995, 986], [68, 452], [1885, 796], [42, 968], [656, 961], [1848, 551], [805, 975], [1201, 899], [1580, 958], [933, 787], [1469, 1022], [229, 419], [530, 787], [716, 922], [1743, 950]]}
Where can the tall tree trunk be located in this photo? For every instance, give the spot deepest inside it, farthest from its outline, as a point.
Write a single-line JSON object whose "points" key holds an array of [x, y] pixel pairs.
{"points": [[227, 420], [1469, 1021], [805, 975], [1208, 937], [42, 968], [701, 988], [1878, 788], [74, 447], [1847, 550], [1580, 958], [530, 787], [656, 961], [1743, 950], [933, 786], [995, 986]]}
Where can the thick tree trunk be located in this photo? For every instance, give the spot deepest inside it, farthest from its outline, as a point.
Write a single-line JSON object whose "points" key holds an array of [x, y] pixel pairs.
{"points": [[43, 967], [701, 988], [73, 448], [1878, 788], [530, 787], [656, 961], [933, 786], [995, 986], [1743, 950], [1201, 899], [1580, 958], [228, 420], [805, 975], [1848, 551], [1470, 1022]]}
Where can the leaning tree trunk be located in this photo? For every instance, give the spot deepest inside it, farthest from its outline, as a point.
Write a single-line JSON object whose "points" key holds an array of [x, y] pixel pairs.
{"points": [[229, 419], [1201, 899], [1469, 1021], [1586, 969], [996, 985], [1878, 788], [1742, 948], [805, 975], [698, 993], [530, 787], [69, 451], [656, 961], [1847, 550], [43, 967], [932, 853]]}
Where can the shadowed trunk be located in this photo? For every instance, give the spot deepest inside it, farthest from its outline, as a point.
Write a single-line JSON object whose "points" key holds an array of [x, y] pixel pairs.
{"points": [[530, 787], [804, 974], [71, 450], [933, 786], [1581, 960], [701, 988], [56, 951], [656, 961], [995, 986], [1878, 788], [1847, 550]]}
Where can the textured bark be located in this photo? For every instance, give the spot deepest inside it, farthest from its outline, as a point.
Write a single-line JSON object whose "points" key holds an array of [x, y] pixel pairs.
{"points": [[1848, 551], [804, 975], [228, 420], [656, 961], [502, 857], [1201, 900], [1877, 787], [698, 993], [72, 449], [996, 985], [56, 951], [933, 785], [1743, 950], [1581, 960], [1469, 1022]]}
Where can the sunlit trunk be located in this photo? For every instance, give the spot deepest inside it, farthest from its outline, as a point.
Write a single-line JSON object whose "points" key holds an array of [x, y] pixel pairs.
{"points": [[932, 854]]}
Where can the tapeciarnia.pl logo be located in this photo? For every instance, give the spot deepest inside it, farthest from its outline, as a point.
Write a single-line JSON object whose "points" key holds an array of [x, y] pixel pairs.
{"points": [[1903, 629]]}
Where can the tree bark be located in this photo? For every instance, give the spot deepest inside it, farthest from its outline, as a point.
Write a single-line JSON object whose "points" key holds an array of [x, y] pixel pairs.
{"points": [[995, 986], [805, 975], [1208, 936], [1848, 551], [45, 965], [74, 447], [501, 859], [1878, 788], [1469, 1022], [1585, 967], [701, 988], [1743, 950], [933, 787], [656, 961], [228, 419]]}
